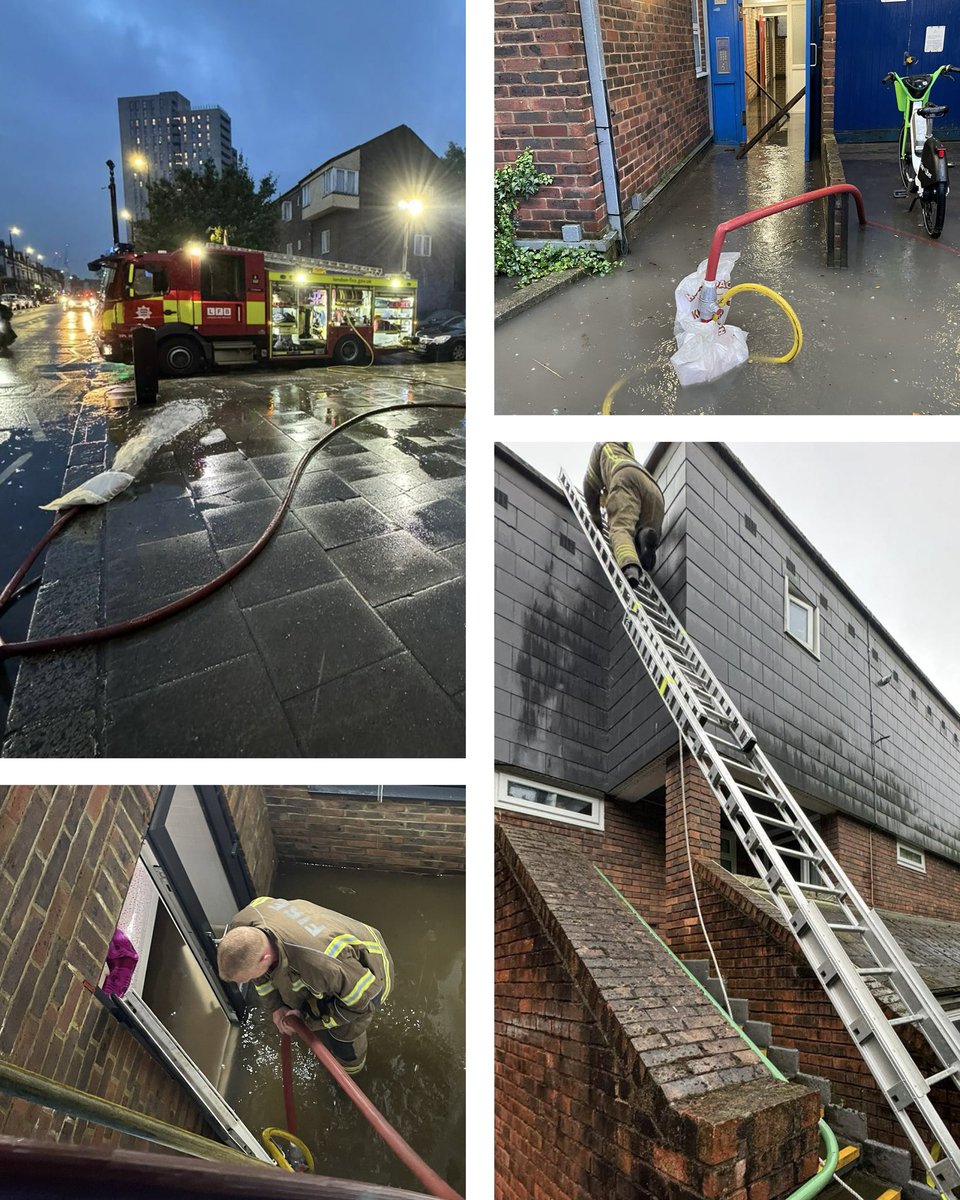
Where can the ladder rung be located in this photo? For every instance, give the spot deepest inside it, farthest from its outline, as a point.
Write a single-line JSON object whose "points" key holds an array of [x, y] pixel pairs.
{"points": [[908, 1019], [816, 887], [945, 1074], [798, 853], [775, 821], [850, 929], [876, 970]]}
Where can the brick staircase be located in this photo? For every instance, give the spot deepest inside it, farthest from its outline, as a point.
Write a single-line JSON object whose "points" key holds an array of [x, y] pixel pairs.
{"points": [[872, 1169]]}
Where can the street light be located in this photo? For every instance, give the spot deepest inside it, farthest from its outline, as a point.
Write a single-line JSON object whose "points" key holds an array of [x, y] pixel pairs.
{"points": [[413, 208], [12, 229]]}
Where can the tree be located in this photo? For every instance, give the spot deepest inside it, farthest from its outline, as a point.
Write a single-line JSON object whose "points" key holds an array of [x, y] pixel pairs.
{"points": [[455, 161], [193, 203]]}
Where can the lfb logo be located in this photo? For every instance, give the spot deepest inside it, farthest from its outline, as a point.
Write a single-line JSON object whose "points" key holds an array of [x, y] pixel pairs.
{"points": [[143, 313], [214, 311]]}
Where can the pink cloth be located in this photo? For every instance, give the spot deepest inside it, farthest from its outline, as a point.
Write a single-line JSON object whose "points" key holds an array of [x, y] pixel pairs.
{"points": [[121, 960]]}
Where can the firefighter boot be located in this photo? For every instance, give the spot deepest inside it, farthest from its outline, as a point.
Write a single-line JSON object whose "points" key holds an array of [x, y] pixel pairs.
{"points": [[632, 575], [647, 542]]}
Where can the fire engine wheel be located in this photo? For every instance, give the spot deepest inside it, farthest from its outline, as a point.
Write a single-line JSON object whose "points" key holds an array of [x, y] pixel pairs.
{"points": [[179, 356], [350, 352]]}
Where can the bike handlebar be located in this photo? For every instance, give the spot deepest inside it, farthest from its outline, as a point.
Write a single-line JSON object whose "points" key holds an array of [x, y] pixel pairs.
{"points": [[946, 69]]}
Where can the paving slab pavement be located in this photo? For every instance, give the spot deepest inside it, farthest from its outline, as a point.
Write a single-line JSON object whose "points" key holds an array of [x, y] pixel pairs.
{"points": [[882, 336], [345, 637]]}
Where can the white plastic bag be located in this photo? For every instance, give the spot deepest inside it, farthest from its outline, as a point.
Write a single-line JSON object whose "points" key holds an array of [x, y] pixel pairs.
{"points": [[705, 349], [132, 456]]}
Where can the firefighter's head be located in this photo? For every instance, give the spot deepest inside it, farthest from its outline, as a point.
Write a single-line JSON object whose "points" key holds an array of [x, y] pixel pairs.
{"points": [[244, 954]]}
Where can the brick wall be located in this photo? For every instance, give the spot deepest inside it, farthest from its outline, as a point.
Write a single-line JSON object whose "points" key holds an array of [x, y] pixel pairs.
{"points": [[828, 71], [67, 855], [762, 963], [350, 831], [248, 810], [658, 106], [681, 923], [629, 850], [614, 1076], [869, 857]]}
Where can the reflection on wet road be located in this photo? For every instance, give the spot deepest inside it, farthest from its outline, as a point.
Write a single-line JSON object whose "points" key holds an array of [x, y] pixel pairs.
{"points": [[867, 338]]}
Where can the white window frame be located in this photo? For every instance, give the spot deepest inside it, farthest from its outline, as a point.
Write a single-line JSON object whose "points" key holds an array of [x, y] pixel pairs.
{"points": [[305, 195], [324, 241], [422, 245], [339, 180], [793, 594], [502, 799], [286, 210], [903, 858], [289, 247], [699, 41]]}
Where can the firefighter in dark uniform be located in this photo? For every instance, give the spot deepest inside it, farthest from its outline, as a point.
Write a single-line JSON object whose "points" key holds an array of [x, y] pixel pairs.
{"points": [[634, 505], [332, 971]]}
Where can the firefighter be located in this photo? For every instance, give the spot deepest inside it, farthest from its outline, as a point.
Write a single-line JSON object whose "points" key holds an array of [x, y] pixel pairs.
{"points": [[331, 971], [634, 505]]}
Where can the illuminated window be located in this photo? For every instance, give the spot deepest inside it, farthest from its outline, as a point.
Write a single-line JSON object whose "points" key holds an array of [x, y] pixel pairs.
{"points": [[801, 618], [540, 800]]}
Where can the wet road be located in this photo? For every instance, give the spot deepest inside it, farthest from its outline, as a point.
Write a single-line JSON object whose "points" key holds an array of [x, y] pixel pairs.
{"points": [[882, 336]]}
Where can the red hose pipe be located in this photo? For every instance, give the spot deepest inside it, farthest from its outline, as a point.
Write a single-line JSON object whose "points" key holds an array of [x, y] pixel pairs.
{"points": [[286, 1067], [408, 1156]]}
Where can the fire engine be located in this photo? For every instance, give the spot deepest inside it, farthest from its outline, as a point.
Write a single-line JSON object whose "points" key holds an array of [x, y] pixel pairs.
{"points": [[226, 304]]}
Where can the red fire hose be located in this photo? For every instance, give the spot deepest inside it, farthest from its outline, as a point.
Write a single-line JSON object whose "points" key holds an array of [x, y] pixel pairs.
{"points": [[286, 1067], [408, 1156], [68, 641]]}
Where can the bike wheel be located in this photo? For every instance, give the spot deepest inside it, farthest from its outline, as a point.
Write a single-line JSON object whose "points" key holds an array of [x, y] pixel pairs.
{"points": [[905, 162], [933, 206]]}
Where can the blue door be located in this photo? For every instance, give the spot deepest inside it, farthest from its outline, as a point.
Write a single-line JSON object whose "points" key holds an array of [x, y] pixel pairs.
{"points": [[726, 70], [872, 39]]}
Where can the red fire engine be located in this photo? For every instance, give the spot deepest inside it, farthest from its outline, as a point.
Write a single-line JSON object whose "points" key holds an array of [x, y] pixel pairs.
{"points": [[225, 304]]}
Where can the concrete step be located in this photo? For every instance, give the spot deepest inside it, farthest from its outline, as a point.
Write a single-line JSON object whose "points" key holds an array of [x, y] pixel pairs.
{"points": [[887, 1162], [785, 1058], [739, 1009], [699, 967], [864, 1184], [919, 1191], [818, 1083], [846, 1123], [760, 1032]]}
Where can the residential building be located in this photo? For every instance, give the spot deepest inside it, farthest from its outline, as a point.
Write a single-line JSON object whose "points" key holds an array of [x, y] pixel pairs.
{"points": [[164, 132], [348, 210], [589, 776]]}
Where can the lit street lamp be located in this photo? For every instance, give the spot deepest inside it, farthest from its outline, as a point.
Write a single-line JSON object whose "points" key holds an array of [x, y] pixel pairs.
{"points": [[12, 229], [413, 208]]}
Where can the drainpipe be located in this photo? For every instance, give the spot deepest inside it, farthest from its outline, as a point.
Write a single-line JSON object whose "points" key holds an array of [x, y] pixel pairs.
{"points": [[597, 76]]}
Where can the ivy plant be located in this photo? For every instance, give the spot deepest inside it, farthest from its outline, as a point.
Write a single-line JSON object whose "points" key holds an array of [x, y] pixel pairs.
{"points": [[513, 184]]}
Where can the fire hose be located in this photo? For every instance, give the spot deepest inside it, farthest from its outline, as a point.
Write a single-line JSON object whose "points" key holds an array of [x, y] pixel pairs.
{"points": [[404, 1152], [87, 637]]}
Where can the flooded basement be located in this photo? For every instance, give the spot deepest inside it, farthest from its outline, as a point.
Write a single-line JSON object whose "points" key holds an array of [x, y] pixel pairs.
{"points": [[415, 1064]]}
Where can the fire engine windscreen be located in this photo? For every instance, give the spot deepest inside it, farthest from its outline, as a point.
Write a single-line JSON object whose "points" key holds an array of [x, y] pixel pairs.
{"points": [[705, 349], [132, 457]]}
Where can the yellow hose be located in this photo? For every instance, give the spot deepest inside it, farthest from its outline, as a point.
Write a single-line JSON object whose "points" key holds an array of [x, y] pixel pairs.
{"points": [[777, 299], [273, 1132]]}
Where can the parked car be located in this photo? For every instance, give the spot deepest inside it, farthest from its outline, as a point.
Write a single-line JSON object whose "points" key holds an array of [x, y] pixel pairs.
{"points": [[15, 301], [449, 342]]}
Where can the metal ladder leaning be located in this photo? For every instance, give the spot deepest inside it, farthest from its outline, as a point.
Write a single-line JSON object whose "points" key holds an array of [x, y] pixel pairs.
{"points": [[759, 806]]}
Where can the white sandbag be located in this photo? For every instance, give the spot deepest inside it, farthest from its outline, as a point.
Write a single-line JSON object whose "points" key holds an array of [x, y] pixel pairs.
{"points": [[159, 429], [705, 349]]}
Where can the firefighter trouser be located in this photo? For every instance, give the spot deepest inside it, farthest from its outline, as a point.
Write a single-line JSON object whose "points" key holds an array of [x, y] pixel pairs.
{"points": [[633, 502]]}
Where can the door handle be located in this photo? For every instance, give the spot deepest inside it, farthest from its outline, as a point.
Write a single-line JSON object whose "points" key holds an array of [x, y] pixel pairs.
{"points": [[816, 56], [169, 312]]}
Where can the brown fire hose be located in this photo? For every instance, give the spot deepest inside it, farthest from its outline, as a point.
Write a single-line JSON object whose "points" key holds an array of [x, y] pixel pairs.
{"points": [[69, 641]]}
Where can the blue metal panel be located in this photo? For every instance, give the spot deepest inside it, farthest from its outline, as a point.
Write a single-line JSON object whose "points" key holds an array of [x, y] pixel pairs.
{"points": [[726, 72], [872, 38], [812, 104]]}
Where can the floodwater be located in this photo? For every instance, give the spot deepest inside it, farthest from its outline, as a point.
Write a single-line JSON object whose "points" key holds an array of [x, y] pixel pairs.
{"points": [[416, 1058]]}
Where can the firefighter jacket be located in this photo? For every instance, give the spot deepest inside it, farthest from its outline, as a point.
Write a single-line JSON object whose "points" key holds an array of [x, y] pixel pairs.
{"points": [[628, 492], [336, 971]]}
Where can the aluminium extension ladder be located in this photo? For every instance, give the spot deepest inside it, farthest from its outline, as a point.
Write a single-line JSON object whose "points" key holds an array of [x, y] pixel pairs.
{"points": [[758, 805]]}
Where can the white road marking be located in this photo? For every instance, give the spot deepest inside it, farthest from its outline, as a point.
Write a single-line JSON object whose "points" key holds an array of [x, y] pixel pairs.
{"points": [[35, 426], [15, 466]]}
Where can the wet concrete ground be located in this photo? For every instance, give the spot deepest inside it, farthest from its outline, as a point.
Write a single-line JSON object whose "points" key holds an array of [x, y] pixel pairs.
{"points": [[415, 1062], [882, 336], [345, 637]]}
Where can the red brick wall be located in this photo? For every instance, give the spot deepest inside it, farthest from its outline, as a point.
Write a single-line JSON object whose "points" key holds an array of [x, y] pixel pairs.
{"points": [[681, 925], [629, 851], [67, 855], [248, 810], [934, 892], [658, 106], [828, 72], [762, 963], [614, 1076], [350, 831]]}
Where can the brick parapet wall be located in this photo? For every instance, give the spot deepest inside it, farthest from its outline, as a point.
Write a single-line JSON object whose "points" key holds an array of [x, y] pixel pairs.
{"points": [[680, 922], [350, 831], [869, 857], [67, 855], [762, 963], [629, 849], [251, 821], [657, 1095], [828, 72]]}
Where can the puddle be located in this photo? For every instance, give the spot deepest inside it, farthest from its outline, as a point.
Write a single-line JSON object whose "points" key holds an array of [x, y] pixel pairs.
{"points": [[415, 1063]]}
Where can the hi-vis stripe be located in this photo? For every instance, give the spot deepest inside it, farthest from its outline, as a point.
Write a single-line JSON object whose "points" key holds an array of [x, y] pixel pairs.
{"points": [[362, 985], [264, 988], [348, 939]]}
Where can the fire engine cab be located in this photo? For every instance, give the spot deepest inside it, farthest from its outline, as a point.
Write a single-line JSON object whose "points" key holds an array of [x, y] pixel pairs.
{"points": [[225, 304]]}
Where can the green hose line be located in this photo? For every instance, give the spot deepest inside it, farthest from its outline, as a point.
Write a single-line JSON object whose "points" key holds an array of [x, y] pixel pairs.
{"points": [[814, 1186], [37, 1089]]}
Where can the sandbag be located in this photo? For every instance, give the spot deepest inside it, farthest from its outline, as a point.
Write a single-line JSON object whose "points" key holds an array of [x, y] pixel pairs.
{"points": [[705, 349]]}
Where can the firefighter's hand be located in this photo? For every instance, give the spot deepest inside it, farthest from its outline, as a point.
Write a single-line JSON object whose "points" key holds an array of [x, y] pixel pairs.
{"points": [[280, 1018]]}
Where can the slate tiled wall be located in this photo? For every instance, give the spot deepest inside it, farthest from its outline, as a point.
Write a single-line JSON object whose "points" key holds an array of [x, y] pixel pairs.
{"points": [[574, 704]]}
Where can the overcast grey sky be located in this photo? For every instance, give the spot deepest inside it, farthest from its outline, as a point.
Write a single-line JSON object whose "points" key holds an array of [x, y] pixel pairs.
{"points": [[884, 515], [301, 81]]}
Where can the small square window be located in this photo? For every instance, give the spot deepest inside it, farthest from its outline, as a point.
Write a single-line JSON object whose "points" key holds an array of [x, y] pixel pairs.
{"points": [[909, 856], [801, 618], [540, 800]]}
